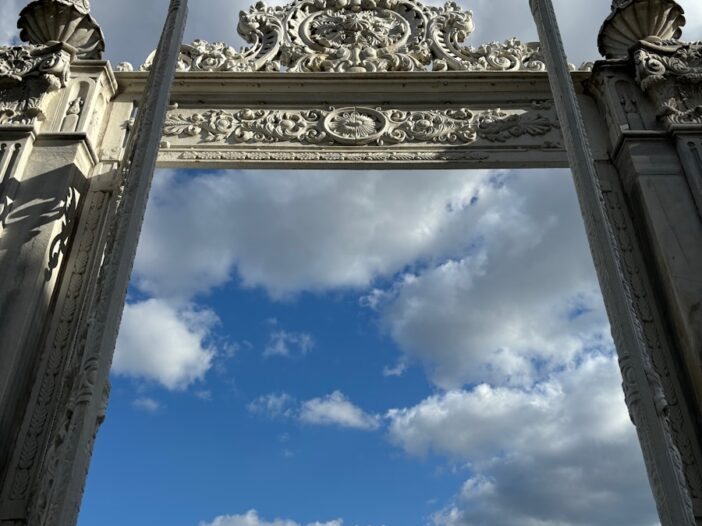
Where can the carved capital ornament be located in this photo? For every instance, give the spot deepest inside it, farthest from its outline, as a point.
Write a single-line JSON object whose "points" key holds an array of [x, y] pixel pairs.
{"points": [[671, 73], [27, 73]]}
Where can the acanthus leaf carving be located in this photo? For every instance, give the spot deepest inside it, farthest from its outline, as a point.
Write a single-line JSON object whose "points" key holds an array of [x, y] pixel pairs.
{"points": [[670, 73], [358, 36], [357, 126], [27, 73]]}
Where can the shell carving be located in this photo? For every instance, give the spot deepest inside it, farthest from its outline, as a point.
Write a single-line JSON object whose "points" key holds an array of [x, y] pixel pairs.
{"points": [[66, 21], [635, 20]]}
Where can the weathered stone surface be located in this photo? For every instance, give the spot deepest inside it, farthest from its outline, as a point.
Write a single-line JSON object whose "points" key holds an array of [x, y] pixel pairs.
{"points": [[67, 21], [635, 20]]}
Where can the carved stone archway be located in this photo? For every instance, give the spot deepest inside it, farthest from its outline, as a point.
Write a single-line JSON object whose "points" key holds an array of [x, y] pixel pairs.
{"points": [[337, 83]]}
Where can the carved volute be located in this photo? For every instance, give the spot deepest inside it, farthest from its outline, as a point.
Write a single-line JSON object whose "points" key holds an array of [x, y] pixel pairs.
{"points": [[67, 21], [635, 20], [357, 36]]}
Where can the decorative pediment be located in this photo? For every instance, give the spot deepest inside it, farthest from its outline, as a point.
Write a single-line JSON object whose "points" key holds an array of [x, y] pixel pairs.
{"points": [[358, 36]]}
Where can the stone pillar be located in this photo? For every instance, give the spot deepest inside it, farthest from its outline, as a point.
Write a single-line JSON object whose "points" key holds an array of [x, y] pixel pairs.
{"points": [[649, 91], [61, 140]]}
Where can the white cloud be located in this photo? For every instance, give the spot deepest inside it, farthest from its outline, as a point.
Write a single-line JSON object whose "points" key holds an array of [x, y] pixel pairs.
{"points": [[562, 452], [147, 404], [251, 518], [294, 231], [283, 343], [336, 409], [520, 301], [274, 405], [396, 370], [162, 343]]}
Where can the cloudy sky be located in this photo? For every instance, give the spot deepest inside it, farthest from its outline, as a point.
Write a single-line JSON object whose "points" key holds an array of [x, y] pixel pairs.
{"points": [[363, 348]]}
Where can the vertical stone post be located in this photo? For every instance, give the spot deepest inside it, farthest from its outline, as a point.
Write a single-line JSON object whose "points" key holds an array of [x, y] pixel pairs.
{"points": [[648, 247], [61, 139]]}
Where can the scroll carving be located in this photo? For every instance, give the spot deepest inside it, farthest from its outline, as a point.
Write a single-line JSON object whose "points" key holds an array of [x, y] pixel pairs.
{"points": [[78, 371], [357, 126], [671, 74], [657, 372], [358, 36], [27, 73]]}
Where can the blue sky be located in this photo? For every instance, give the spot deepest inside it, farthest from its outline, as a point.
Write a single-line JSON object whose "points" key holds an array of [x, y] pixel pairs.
{"points": [[363, 348], [367, 347]]}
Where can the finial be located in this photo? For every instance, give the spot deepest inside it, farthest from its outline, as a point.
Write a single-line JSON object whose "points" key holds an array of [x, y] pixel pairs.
{"points": [[67, 21], [635, 20]]}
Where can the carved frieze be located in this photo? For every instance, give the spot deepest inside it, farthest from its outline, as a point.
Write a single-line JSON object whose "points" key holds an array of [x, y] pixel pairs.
{"points": [[671, 74], [358, 36], [27, 73], [357, 126]]}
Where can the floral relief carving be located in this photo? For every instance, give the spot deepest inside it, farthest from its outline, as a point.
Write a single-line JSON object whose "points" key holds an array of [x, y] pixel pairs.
{"points": [[670, 72], [357, 126], [358, 36], [27, 73]]}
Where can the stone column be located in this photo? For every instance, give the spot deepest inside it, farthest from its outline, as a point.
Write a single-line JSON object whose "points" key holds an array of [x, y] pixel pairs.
{"points": [[61, 139], [649, 91]]}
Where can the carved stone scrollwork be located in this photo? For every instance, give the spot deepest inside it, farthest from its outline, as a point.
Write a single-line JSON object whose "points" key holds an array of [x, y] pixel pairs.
{"points": [[356, 126], [358, 36], [67, 21], [671, 74], [27, 73], [262, 27]]}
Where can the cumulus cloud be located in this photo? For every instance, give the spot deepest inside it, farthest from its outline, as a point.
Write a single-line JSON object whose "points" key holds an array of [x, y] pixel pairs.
{"points": [[294, 231], [522, 300], [162, 343], [334, 409], [251, 518], [561, 452]]}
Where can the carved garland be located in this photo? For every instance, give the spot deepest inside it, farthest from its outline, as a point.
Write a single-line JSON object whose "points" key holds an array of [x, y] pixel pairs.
{"points": [[356, 126]]}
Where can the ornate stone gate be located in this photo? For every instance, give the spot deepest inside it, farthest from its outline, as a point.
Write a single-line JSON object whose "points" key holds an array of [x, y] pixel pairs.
{"points": [[333, 84]]}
